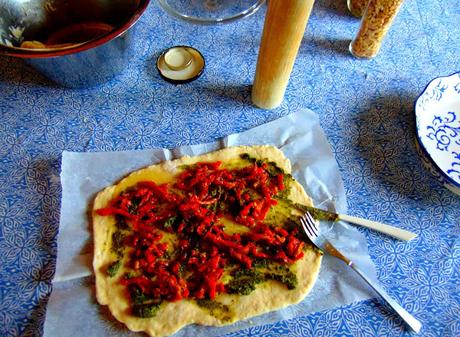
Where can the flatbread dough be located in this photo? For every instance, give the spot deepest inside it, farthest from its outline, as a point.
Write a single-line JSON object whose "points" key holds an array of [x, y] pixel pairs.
{"points": [[269, 296]]}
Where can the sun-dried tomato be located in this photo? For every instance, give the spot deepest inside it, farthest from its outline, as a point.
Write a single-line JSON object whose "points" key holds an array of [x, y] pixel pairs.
{"points": [[191, 208]]}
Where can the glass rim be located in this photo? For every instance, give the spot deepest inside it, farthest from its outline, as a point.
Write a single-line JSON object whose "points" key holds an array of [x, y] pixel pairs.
{"points": [[194, 19]]}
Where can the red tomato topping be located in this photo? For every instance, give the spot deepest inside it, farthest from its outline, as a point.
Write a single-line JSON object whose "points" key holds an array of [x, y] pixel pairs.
{"points": [[192, 266]]}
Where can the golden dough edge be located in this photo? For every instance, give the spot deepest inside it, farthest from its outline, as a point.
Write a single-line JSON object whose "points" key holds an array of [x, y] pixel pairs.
{"points": [[185, 312]]}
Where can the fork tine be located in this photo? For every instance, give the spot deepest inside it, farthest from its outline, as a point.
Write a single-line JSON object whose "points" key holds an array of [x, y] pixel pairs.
{"points": [[305, 226], [312, 223]]}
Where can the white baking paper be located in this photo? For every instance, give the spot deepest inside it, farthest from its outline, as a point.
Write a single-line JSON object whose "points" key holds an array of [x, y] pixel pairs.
{"points": [[72, 310]]}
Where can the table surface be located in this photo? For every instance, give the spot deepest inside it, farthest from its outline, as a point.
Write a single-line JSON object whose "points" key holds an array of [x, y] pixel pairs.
{"points": [[365, 108]]}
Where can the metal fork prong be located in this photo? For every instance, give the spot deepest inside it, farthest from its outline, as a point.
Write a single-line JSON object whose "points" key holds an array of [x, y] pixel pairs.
{"points": [[305, 226], [312, 223], [308, 225]]}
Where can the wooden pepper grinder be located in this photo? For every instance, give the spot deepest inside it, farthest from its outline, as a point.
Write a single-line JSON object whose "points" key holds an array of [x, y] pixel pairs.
{"points": [[284, 28]]}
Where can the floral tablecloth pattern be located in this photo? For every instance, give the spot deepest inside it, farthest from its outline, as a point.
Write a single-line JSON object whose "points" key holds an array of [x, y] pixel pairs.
{"points": [[365, 108]]}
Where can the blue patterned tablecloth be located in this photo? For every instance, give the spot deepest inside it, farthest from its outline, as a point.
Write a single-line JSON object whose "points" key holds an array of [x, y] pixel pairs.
{"points": [[365, 108]]}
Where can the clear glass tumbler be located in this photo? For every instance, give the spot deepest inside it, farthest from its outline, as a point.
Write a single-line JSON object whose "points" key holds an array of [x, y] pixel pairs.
{"points": [[377, 19], [211, 11], [357, 7]]}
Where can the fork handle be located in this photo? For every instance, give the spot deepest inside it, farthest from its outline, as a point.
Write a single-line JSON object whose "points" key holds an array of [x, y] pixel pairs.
{"points": [[410, 320], [395, 232]]}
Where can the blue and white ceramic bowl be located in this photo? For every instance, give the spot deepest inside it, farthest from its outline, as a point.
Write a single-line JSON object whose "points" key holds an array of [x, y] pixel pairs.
{"points": [[437, 116]]}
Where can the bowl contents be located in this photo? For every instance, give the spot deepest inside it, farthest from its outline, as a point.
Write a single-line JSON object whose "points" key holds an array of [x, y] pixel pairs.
{"points": [[40, 45], [180, 64], [437, 113], [375, 24], [75, 44], [71, 35]]}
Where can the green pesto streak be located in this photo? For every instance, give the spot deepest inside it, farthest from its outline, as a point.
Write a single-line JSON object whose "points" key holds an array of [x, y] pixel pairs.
{"points": [[274, 170], [245, 281], [282, 214], [145, 310], [118, 236], [216, 309], [117, 242], [316, 213], [170, 222], [289, 279], [143, 306], [117, 246], [113, 268], [120, 223]]}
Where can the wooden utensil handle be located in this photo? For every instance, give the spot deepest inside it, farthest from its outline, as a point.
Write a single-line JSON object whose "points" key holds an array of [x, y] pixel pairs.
{"points": [[284, 28]]}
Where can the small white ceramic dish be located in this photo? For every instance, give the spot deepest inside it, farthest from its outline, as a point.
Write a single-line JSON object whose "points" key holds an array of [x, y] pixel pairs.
{"points": [[437, 117], [180, 64]]}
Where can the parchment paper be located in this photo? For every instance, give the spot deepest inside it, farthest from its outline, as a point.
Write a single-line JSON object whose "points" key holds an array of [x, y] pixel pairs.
{"points": [[72, 310]]}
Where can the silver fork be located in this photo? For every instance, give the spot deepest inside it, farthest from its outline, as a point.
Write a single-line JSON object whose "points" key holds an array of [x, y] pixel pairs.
{"points": [[312, 230]]}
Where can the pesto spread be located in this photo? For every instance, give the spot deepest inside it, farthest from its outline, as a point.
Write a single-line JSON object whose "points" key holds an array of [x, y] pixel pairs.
{"points": [[216, 309], [233, 228]]}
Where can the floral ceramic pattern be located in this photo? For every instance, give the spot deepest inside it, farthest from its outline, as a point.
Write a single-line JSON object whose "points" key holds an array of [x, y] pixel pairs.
{"points": [[438, 127], [365, 108], [445, 130]]}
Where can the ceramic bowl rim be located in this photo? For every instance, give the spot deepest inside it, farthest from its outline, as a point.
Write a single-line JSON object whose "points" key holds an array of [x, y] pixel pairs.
{"points": [[419, 138]]}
